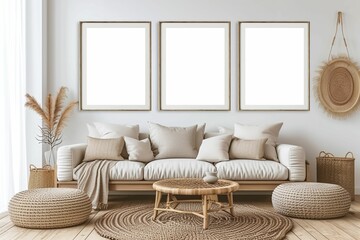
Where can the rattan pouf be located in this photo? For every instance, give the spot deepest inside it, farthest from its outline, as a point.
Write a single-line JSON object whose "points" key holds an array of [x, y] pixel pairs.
{"points": [[49, 208], [311, 200]]}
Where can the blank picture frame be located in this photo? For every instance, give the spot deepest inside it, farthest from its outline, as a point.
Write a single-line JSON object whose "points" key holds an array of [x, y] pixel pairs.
{"points": [[194, 66], [115, 65], [274, 65]]}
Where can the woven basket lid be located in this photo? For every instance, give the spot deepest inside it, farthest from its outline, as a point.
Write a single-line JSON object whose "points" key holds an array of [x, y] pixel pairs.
{"points": [[339, 87]]}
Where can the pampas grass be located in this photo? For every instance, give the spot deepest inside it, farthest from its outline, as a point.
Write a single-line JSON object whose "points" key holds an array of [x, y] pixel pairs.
{"points": [[54, 116]]}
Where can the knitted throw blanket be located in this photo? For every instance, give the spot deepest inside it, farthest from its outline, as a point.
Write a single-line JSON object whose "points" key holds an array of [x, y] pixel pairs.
{"points": [[93, 179]]}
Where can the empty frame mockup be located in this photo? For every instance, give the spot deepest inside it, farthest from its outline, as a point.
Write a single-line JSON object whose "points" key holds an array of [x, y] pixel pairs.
{"points": [[194, 66], [115, 66], [274, 65]]}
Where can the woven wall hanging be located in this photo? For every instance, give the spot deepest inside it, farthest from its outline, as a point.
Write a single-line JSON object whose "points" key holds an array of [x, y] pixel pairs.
{"points": [[338, 83]]}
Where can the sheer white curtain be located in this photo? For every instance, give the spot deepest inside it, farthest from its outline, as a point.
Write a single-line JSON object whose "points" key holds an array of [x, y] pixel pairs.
{"points": [[13, 164]]}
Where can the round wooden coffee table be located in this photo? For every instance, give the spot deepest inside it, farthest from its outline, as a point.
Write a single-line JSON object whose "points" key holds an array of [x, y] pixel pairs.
{"points": [[194, 186]]}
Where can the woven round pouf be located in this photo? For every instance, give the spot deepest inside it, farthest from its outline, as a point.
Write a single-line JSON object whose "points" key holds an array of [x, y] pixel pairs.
{"points": [[311, 200], [49, 208]]}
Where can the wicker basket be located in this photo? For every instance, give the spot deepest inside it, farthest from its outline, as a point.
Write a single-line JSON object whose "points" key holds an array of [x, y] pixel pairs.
{"points": [[41, 177], [337, 170]]}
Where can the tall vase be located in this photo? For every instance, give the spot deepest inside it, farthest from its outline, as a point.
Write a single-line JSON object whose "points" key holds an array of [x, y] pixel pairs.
{"points": [[50, 157]]}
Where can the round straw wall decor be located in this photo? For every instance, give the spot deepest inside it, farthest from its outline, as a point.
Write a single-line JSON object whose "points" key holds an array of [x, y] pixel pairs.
{"points": [[338, 84]]}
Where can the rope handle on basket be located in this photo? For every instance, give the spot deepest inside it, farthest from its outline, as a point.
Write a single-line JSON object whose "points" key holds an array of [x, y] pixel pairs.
{"points": [[352, 155], [326, 154], [33, 167], [339, 22]]}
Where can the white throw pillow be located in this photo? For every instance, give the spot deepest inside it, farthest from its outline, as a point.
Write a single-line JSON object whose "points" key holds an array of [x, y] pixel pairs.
{"points": [[269, 131], [139, 150], [173, 142], [109, 130], [104, 149], [92, 131], [215, 149], [247, 149]]}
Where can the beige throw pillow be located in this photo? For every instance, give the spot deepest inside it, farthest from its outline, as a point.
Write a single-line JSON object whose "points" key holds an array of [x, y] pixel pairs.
{"points": [[173, 142], [104, 149], [269, 131], [215, 149], [247, 149], [139, 150], [200, 132]]}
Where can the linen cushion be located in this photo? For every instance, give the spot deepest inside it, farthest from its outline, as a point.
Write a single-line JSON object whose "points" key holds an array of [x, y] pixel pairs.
{"points": [[247, 149], [92, 131], [176, 168], [200, 133], [139, 150], [104, 149], [269, 131], [215, 149], [173, 142], [252, 170]]}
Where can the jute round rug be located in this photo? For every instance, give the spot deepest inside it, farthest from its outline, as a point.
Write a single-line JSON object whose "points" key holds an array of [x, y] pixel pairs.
{"points": [[134, 221]]}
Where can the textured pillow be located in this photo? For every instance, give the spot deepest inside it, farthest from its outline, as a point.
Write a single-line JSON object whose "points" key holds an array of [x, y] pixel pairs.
{"points": [[139, 150], [104, 149], [247, 149], [173, 142], [215, 149], [269, 131]]}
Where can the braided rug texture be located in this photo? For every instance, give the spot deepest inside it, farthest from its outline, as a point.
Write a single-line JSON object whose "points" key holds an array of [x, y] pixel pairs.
{"points": [[134, 221]]}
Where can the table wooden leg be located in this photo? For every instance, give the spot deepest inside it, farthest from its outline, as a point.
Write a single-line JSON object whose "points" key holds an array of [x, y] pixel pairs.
{"points": [[231, 203], [157, 203], [205, 211]]}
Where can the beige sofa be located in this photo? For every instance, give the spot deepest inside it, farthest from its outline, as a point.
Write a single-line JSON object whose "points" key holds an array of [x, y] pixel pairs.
{"points": [[253, 175]]}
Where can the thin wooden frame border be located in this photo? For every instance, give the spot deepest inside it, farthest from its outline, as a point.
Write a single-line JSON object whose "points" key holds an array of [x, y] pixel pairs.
{"points": [[160, 67], [239, 61], [147, 108]]}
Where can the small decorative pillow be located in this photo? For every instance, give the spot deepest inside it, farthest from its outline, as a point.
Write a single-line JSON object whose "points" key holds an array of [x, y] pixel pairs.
{"points": [[200, 132], [247, 149], [104, 149], [139, 150], [92, 131], [173, 142], [215, 149], [269, 131]]}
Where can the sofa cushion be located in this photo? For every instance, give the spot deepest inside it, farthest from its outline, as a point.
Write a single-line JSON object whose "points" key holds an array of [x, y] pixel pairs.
{"points": [[126, 170], [269, 131], [252, 170], [176, 168], [139, 150], [173, 142], [215, 149], [104, 149], [247, 149]]}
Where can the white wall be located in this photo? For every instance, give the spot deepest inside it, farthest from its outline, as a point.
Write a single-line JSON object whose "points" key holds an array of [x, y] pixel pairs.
{"points": [[313, 129]]}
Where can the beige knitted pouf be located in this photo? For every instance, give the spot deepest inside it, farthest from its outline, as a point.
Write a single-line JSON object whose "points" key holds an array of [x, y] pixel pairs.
{"points": [[311, 200], [49, 208]]}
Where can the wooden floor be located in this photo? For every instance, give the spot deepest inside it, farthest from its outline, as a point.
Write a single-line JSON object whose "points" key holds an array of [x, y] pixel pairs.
{"points": [[347, 227]]}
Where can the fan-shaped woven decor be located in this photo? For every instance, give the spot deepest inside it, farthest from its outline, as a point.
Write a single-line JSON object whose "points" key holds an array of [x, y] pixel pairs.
{"points": [[134, 221], [338, 87]]}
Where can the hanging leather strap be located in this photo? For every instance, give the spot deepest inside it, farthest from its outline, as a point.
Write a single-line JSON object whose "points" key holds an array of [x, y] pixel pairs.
{"points": [[339, 22]]}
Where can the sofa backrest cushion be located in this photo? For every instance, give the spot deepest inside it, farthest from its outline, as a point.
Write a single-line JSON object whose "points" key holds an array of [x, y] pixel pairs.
{"points": [[269, 131], [173, 142]]}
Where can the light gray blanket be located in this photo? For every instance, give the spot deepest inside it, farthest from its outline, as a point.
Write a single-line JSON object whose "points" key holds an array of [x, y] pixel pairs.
{"points": [[93, 179]]}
